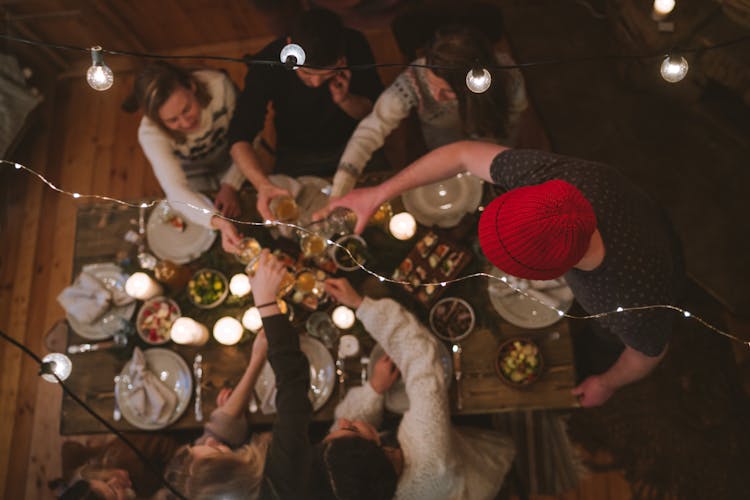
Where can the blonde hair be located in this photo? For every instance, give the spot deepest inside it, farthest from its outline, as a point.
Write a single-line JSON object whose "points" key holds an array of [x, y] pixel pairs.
{"points": [[232, 475]]}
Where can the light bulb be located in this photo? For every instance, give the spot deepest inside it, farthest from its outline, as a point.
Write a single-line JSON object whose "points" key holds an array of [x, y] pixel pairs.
{"points": [[674, 68], [292, 55], [99, 76], [56, 363], [662, 8], [478, 80]]}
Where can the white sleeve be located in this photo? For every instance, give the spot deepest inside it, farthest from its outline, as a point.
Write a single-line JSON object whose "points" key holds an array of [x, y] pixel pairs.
{"points": [[425, 427], [361, 403], [170, 175], [392, 106]]}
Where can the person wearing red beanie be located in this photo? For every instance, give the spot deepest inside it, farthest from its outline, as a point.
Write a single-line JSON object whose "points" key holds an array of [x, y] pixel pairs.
{"points": [[568, 217]]}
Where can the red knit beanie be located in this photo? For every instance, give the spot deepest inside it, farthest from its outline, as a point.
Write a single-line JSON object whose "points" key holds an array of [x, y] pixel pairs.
{"points": [[537, 232]]}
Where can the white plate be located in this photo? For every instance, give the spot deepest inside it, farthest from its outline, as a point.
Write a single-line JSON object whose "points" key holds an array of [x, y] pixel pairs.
{"points": [[523, 311], [172, 371], [168, 243], [110, 322], [396, 400], [322, 376], [444, 203]]}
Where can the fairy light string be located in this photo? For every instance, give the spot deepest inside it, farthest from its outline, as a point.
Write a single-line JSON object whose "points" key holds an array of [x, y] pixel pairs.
{"points": [[383, 279]]}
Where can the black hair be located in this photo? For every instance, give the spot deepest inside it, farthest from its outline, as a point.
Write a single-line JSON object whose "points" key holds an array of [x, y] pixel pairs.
{"points": [[463, 47], [320, 33]]}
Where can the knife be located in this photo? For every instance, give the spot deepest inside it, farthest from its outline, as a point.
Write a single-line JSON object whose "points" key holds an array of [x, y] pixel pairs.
{"points": [[457, 374], [198, 373]]}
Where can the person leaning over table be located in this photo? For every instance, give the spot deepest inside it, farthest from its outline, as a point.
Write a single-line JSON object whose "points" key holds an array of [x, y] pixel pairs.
{"points": [[579, 219], [448, 111], [183, 133], [225, 462], [433, 459], [315, 110]]}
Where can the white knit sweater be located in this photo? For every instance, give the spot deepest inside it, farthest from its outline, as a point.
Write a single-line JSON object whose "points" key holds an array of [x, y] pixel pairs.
{"points": [[440, 461], [204, 151], [440, 121]]}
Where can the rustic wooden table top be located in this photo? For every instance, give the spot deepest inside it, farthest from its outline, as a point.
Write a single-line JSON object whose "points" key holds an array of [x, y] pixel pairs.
{"points": [[100, 238]]}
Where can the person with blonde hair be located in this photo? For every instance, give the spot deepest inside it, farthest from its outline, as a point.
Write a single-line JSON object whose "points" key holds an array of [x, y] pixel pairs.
{"points": [[183, 133], [224, 463]]}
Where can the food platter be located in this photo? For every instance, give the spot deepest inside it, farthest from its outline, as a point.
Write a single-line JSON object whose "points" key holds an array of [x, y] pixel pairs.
{"points": [[155, 319], [444, 203]]}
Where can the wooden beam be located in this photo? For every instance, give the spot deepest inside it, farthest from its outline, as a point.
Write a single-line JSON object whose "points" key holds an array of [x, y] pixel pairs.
{"points": [[118, 26], [26, 32]]}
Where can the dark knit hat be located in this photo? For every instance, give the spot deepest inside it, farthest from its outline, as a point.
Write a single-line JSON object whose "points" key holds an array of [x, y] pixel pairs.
{"points": [[537, 232]]}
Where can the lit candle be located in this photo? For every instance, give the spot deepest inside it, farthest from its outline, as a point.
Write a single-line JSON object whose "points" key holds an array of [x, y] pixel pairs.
{"points": [[252, 320], [403, 226], [142, 287], [662, 8], [57, 363], [187, 331], [343, 317], [239, 285], [228, 331]]}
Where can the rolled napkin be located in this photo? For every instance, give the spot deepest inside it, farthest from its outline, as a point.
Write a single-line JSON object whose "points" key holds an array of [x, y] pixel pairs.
{"points": [[86, 299], [119, 296], [148, 397]]}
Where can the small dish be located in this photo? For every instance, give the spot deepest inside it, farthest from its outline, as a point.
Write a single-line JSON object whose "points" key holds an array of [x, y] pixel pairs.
{"points": [[208, 288], [356, 245], [452, 319], [519, 362], [155, 320]]}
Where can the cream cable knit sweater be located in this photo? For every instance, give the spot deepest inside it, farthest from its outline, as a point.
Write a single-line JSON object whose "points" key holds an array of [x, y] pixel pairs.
{"points": [[205, 148], [440, 461]]}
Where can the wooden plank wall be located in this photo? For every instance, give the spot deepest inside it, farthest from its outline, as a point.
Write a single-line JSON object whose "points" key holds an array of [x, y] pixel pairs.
{"points": [[84, 143]]}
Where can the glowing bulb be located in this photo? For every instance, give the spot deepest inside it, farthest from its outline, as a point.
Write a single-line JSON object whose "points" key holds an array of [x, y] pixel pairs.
{"points": [[674, 68], [662, 8], [18, 166], [56, 363], [206, 211], [686, 314], [144, 205], [99, 76], [478, 80], [619, 309], [292, 55], [76, 195], [239, 285]]}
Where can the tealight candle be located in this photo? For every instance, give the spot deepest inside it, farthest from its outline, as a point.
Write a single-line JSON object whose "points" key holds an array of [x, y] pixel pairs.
{"points": [[403, 226], [56, 363], [228, 331], [142, 287], [252, 320], [343, 317], [239, 285], [187, 331], [662, 8]]}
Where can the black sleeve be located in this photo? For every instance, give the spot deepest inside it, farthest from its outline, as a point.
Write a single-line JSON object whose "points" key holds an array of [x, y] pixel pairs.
{"points": [[250, 112], [288, 456], [365, 82]]}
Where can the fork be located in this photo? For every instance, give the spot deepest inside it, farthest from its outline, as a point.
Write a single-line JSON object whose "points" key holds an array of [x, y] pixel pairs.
{"points": [[116, 414]]}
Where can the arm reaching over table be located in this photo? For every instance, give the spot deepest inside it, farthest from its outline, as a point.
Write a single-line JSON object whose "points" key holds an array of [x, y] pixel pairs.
{"points": [[442, 163]]}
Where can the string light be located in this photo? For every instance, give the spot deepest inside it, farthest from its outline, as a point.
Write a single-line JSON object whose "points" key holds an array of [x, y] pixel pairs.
{"points": [[662, 8], [381, 278], [292, 56], [99, 75], [478, 80], [674, 68], [56, 367]]}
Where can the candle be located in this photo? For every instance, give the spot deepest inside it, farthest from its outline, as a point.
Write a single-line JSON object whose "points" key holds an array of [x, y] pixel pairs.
{"points": [[252, 320], [187, 331], [228, 331], [239, 285], [343, 317], [348, 346], [142, 287], [56, 363], [662, 8], [403, 226]]}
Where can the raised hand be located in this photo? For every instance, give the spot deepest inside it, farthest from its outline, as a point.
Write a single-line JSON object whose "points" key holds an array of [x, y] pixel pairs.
{"points": [[267, 278], [227, 202], [384, 374], [266, 193], [592, 391], [342, 291], [363, 202]]}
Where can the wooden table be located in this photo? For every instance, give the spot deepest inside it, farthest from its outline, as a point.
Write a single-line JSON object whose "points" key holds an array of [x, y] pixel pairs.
{"points": [[99, 238]]}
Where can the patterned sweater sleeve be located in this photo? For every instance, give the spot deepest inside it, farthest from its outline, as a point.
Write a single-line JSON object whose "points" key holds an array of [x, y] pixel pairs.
{"points": [[392, 106], [172, 179]]}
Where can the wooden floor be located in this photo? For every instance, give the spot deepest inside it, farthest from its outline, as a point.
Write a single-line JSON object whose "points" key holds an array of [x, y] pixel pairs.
{"points": [[82, 142]]}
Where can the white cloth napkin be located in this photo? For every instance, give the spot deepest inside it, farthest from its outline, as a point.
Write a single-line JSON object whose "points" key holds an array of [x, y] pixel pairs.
{"points": [[148, 397], [86, 299], [119, 296]]}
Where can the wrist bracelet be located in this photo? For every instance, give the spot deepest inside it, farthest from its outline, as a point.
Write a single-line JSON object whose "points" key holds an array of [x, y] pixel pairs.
{"points": [[274, 303]]}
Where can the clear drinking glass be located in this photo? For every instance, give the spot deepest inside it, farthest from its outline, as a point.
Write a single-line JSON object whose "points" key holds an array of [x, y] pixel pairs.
{"points": [[320, 326]]}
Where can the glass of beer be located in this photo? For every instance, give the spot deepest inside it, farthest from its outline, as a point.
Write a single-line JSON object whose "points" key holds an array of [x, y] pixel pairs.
{"points": [[284, 208], [382, 215]]}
